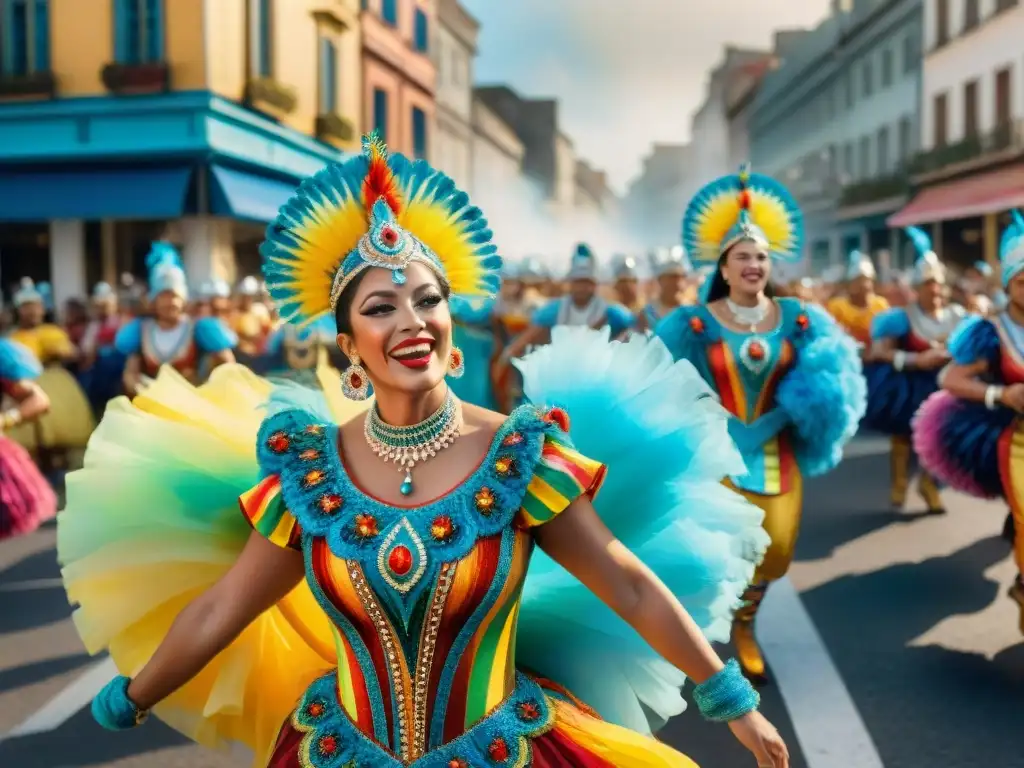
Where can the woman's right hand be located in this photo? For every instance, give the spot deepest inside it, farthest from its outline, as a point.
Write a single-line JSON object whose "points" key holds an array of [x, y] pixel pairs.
{"points": [[1013, 397], [755, 733]]}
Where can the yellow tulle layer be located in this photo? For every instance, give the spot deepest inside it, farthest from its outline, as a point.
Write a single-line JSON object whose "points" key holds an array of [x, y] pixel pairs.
{"points": [[68, 423], [152, 521]]}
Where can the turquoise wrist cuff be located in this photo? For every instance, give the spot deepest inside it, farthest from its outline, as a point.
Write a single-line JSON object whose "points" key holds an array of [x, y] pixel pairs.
{"points": [[726, 695], [112, 708]]}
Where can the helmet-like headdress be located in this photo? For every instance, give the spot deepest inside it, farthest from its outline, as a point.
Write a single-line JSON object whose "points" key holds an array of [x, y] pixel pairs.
{"points": [[859, 265], [28, 293], [165, 271], [374, 210], [624, 267], [743, 206], [583, 265], [670, 261], [927, 266], [1011, 248]]}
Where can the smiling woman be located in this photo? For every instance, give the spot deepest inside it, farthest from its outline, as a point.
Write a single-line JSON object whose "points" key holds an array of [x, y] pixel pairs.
{"points": [[399, 615]]}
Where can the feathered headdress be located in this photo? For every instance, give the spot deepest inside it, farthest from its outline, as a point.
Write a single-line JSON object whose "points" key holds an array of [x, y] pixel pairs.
{"points": [[927, 267], [374, 210], [859, 265], [743, 206], [166, 272], [583, 265], [1011, 248]]}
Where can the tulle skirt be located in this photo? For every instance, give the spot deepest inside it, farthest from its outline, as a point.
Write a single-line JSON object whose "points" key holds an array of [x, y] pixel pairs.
{"points": [[26, 499], [69, 422], [894, 397]]}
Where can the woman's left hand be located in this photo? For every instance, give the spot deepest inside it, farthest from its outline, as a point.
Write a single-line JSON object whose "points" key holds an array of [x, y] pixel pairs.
{"points": [[759, 736]]}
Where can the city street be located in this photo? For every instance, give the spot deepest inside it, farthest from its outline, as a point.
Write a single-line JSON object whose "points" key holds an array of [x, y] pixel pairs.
{"points": [[891, 644]]}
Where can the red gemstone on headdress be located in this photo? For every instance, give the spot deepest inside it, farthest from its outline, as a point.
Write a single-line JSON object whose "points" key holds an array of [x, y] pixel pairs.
{"points": [[756, 351], [388, 236], [400, 560], [744, 199]]}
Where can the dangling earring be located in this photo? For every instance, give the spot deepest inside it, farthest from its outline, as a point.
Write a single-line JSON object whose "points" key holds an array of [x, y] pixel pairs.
{"points": [[456, 363], [354, 384]]}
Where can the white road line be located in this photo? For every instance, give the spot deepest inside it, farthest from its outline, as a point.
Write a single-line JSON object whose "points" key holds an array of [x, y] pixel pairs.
{"points": [[68, 702], [829, 728], [29, 584]]}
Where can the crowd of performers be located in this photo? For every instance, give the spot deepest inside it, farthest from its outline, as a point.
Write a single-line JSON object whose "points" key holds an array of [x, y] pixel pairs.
{"points": [[377, 600]]}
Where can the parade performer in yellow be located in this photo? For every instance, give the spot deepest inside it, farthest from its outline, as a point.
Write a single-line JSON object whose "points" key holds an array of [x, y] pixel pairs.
{"points": [[385, 609], [787, 374], [857, 306], [970, 434], [908, 348], [65, 428]]}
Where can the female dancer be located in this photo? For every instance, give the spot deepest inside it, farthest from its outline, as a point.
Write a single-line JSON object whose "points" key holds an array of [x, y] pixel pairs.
{"points": [[908, 348], [671, 268], [859, 304], [170, 337], [26, 499], [969, 436], [424, 618], [788, 376]]}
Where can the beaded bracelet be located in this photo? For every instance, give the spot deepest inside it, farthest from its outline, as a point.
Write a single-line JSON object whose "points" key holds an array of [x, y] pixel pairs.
{"points": [[114, 710], [726, 695]]}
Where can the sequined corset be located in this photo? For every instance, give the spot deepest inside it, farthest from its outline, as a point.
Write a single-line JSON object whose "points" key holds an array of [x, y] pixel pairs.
{"points": [[424, 600]]}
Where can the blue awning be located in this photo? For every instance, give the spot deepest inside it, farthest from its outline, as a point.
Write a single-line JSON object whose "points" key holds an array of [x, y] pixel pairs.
{"points": [[243, 195], [42, 194]]}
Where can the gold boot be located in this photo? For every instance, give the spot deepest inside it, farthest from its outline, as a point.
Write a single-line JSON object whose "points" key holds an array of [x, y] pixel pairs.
{"points": [[1016, 594], [899, 469], [748, 652], [929, 490]]}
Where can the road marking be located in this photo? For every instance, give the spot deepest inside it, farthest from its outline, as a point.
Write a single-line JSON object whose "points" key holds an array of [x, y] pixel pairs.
{"points": [[30, 584], [68, 703], [828, 727]]}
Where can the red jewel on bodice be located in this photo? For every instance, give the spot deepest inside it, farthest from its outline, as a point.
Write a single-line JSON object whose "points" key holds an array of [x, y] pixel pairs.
{"points": [[278, 442], [756, 351], [400, 560], [802, 322], [498, 750]]}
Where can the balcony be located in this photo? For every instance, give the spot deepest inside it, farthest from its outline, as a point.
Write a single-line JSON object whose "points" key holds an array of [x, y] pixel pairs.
{"points": [[969, 154], [37, 85], [126, 79], [335, 130], [873, 190], [266, 95]]}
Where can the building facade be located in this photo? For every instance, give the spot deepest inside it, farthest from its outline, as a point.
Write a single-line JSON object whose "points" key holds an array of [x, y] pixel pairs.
{"points": [[970, 171], [453, 52], [498, 152], [399, 76], [652, 210], [877, 124], [122, 121]]}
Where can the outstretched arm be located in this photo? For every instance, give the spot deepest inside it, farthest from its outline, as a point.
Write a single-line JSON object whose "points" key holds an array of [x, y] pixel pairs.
{"points": [[263, 574], [31, 402], [581, 543]]}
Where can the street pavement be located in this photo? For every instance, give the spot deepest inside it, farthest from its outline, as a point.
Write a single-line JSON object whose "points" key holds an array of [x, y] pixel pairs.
{"points": [[891, 643]]}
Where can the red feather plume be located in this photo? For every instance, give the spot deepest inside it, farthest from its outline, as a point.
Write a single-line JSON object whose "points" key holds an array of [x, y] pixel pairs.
{"points": [[380, 180]]}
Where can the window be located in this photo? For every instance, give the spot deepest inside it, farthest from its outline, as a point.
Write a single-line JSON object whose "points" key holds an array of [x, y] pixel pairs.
{"points": [[849, 90], [139, 31], [883, 151], [887, 67], [940, 105], [868, 76], [261, 38], [1005, 5], [972, 14], [419, 132], [380, 112], [25, 27], [911, 57], [1003, 96], [421, 33], [906, 139], [941, 23], [328, 76], [971, 109], [389, 12], [865, 157], [848, 160]]}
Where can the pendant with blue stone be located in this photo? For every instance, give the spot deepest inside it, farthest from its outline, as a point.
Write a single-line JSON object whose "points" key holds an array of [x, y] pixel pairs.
{"points": [[406, 488], [398, 277]]}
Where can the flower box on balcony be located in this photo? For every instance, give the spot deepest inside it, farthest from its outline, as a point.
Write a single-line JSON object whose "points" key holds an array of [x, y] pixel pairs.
{"points": [[334, 129], [137, 78], [31, 86], [270, 96]]}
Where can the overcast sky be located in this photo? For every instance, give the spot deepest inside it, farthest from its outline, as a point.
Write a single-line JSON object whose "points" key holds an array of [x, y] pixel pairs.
{"points": [[627, 72]]}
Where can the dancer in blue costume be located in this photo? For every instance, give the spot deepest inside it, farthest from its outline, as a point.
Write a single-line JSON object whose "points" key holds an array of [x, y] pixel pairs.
{"points": [[473, 351], [171, 337], [908, 348], [626, 285], [789, 377], [398, 613], [671, 268], [971, 434], [295, 353]]}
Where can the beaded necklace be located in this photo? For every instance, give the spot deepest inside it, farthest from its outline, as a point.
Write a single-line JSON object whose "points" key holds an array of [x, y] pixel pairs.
{"points": [[407, 446]]}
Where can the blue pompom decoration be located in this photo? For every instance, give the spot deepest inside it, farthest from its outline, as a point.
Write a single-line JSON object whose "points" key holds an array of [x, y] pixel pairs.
{"points": [[726, 695]]}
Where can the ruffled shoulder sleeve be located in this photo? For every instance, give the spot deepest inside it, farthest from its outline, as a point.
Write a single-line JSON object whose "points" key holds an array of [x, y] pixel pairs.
{"points": [[212, 335], [560, 477], [890, 324], [17, 362], [129, 338], [974, 339], [264, 508], [546, 315]]}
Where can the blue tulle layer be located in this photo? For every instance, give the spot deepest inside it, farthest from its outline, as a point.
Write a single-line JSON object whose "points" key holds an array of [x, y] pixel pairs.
{"points": [[966, 439], [663, 435], [894, 397]]}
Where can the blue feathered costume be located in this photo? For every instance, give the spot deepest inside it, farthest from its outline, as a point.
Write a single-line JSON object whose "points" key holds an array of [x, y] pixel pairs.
{"points": [[795, 392]]}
